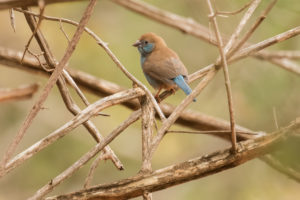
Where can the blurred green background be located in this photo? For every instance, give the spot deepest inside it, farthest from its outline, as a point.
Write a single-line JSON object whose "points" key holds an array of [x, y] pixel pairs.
{"points": [[258, 87]]}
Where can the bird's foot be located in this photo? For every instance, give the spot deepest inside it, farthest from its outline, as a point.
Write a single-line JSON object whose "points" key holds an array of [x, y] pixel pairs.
{"points": [[172, 90], [157, 98]]}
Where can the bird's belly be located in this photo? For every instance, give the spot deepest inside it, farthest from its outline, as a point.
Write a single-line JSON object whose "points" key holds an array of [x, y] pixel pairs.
{"points": [[159, 83], [154, 83]]}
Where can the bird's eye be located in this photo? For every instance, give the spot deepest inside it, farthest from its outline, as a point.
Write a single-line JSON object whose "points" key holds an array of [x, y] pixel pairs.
{"points": [[146, 42]]}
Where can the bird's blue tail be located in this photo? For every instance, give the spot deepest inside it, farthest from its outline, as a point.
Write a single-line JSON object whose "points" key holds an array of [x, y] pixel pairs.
{"points": [[179, 80]]}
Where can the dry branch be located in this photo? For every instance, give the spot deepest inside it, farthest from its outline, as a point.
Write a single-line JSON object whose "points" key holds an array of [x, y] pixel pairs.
{"points": [[74, 109], [223, 50], [94, 166], [266, 43], [185, 171], [12, 19], [41, 4], [147, 133], [22, 92], [80, 118]]}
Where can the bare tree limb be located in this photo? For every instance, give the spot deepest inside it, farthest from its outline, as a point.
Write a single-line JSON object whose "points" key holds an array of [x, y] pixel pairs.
{"points": [[22, 92], [185, 171]]}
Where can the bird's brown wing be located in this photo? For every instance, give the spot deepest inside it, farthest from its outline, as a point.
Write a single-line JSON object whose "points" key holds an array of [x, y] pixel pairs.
{"points": [[164, 69]]}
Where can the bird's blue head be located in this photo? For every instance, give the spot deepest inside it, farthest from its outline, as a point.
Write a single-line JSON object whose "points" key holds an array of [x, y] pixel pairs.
{"points": [[144, 46]]}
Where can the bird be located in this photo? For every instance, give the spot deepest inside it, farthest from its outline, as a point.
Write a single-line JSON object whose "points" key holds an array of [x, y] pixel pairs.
{"points": [[162, 67]]}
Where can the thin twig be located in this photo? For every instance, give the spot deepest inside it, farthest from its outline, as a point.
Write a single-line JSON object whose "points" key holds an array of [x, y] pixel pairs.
{"points": [[240, 27], [286, 64], [22, 92], [282, 54], [221, 132], [41, 4], [275, 118], [225, 13], [37, 56], [275, 164], [52, 80], [265, 43], [62, 29], [226, 74], [249, 33], [12, 19], [94, 166]]}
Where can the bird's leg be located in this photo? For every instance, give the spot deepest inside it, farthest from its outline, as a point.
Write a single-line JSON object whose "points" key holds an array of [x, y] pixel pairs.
{"points": [[157, 95], [172, 90]]}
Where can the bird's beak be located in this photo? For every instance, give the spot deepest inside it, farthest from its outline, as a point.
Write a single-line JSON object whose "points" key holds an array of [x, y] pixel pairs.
{"points": [[137, 43]]}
